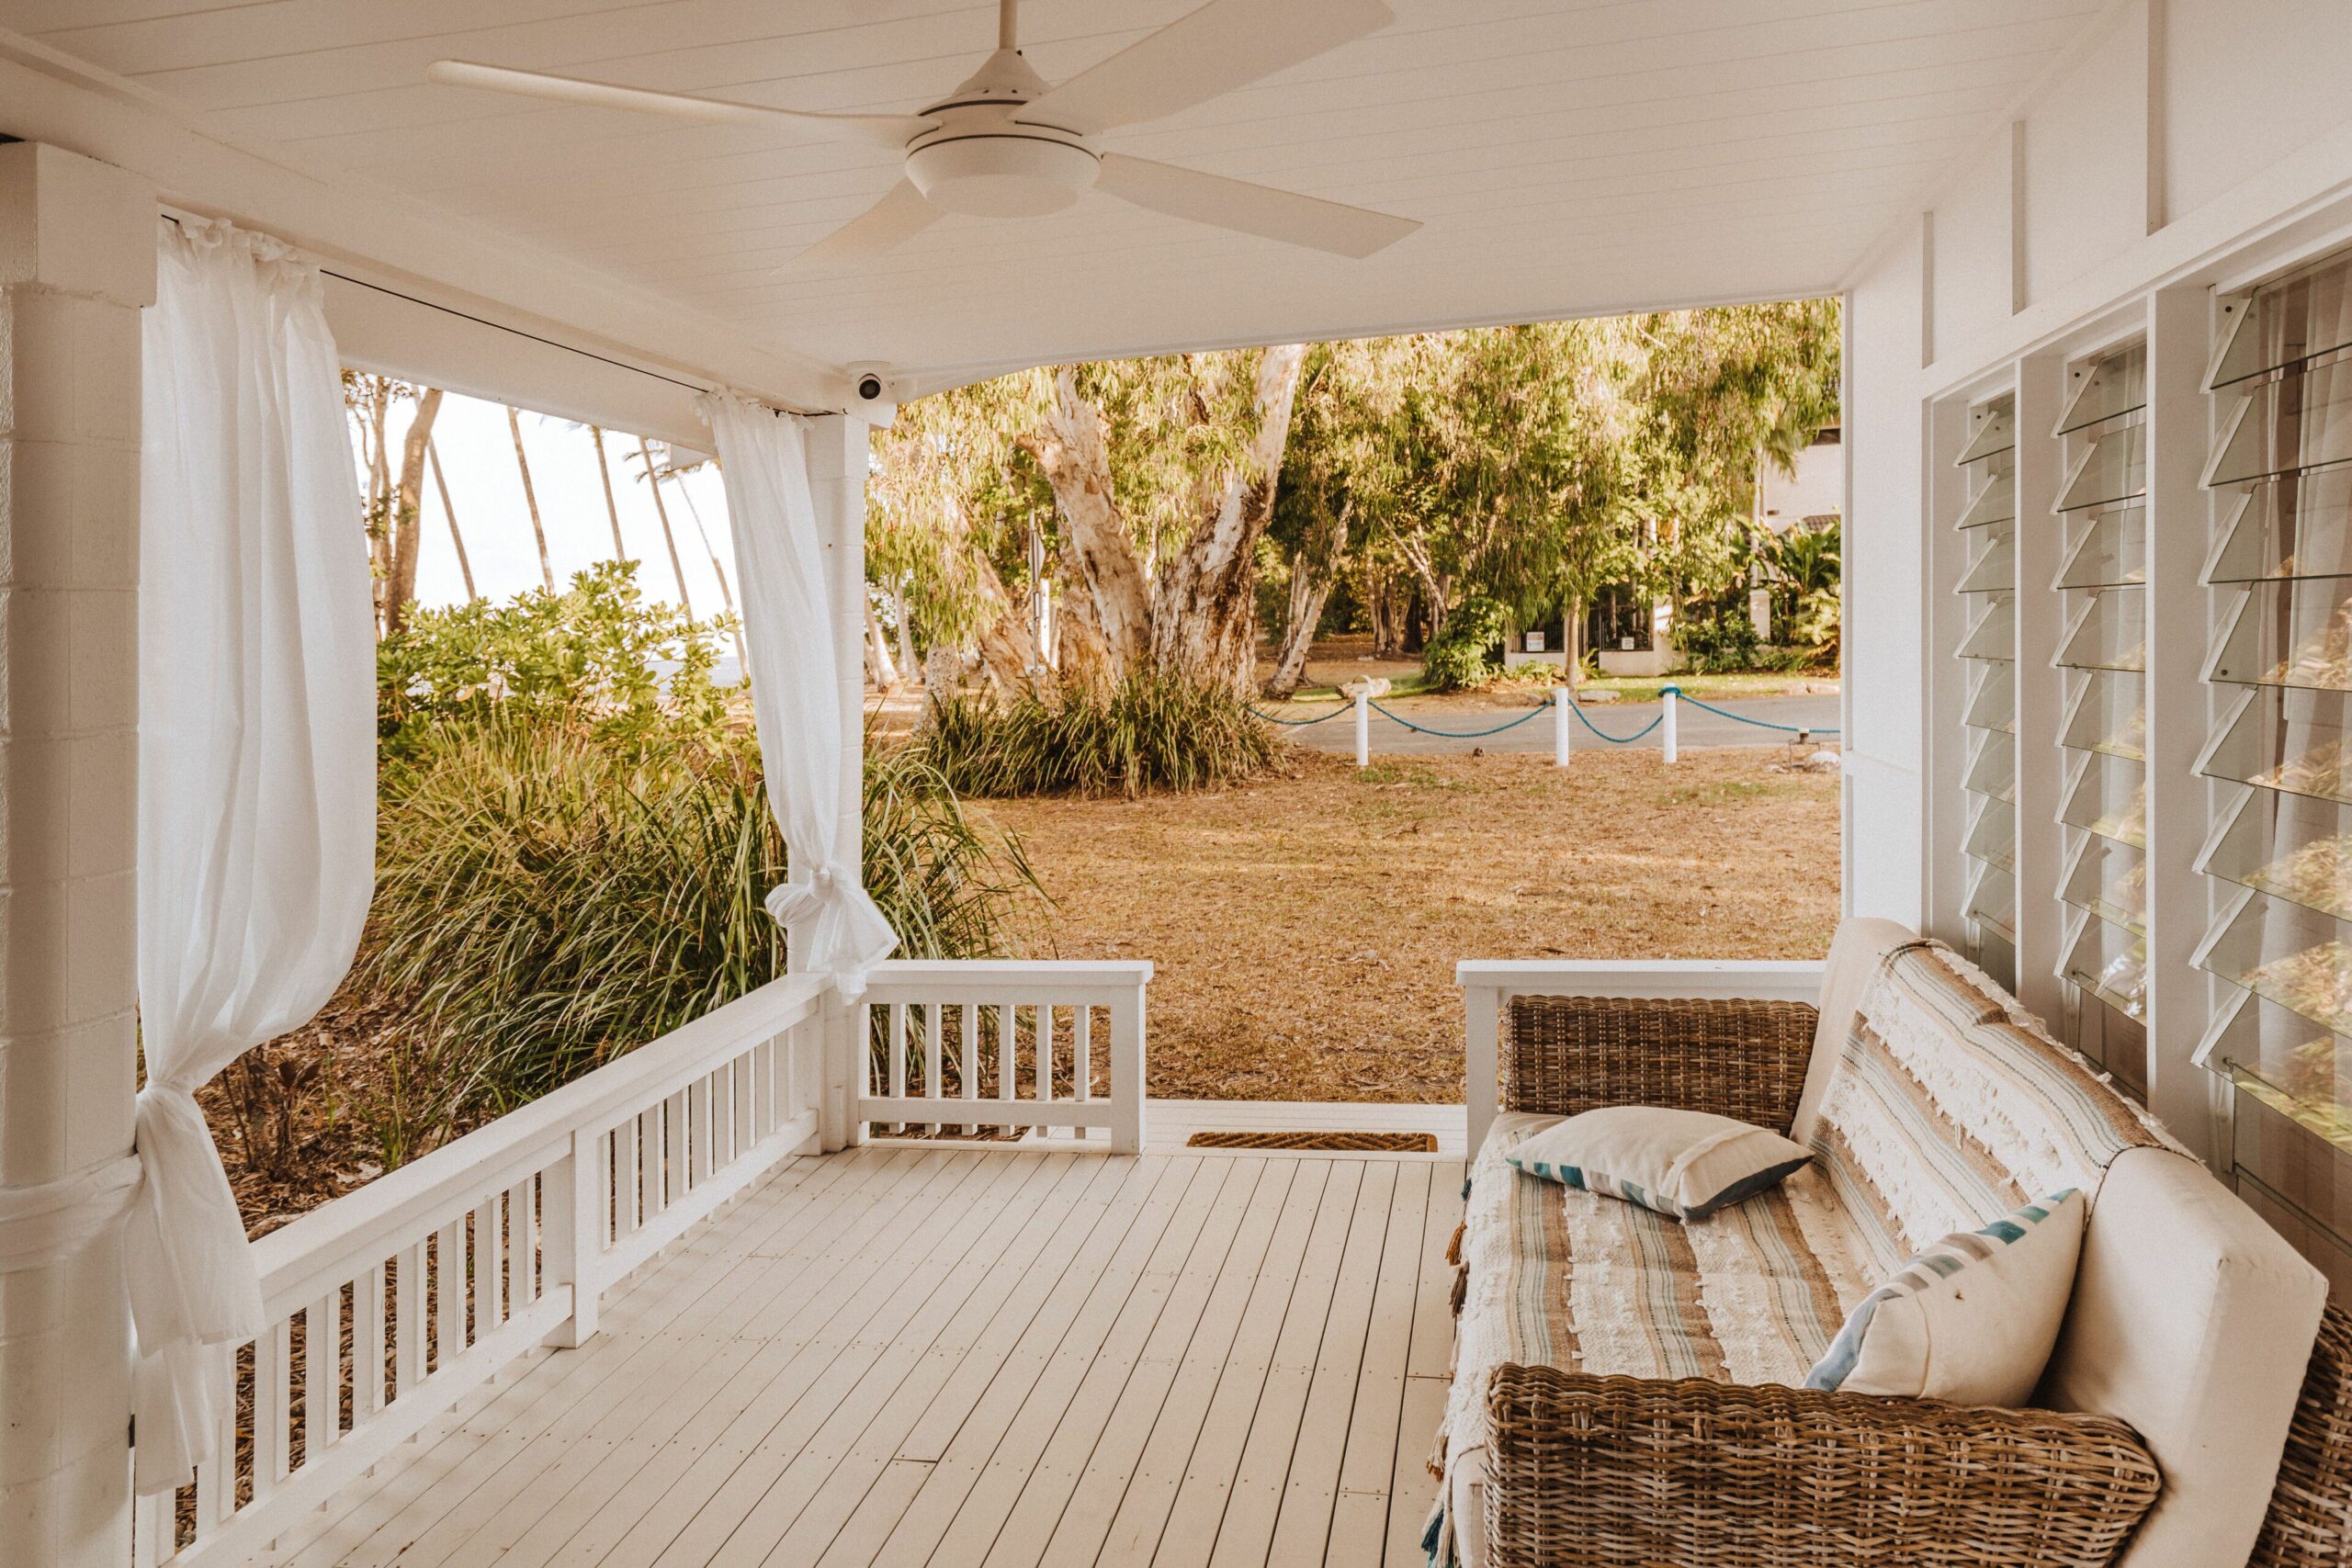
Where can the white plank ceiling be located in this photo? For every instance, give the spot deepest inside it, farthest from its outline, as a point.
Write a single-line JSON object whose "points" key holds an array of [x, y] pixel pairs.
{"points": [[1565, 156]]}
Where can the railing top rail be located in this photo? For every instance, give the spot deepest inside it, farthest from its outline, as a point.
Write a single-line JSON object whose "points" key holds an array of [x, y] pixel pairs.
{"points": [[1765, 979], [421, 1189], [961, 971]]}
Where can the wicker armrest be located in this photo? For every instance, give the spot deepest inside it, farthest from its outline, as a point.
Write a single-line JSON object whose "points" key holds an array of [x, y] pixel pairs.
{"points": [[2309, 1523], [1745, 1059], [1636, 1473]]}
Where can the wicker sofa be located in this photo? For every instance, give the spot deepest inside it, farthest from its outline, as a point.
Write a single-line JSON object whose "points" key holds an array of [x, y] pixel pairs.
{"points": [[1624, 1386]]}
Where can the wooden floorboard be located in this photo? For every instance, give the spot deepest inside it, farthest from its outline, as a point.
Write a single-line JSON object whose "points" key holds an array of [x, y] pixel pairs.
{"points": [[929, 1358]]}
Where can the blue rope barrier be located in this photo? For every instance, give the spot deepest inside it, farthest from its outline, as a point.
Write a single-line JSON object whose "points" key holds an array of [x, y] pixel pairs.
{"points": [[1743, 718], [1299, 723], [1656, 720], [1458, 734]]}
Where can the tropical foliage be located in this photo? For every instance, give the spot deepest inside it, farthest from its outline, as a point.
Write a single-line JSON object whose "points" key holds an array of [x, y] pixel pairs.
{"points": [[1149, 731]]}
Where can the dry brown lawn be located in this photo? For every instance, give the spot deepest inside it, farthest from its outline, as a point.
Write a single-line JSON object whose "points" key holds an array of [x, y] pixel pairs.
{"points": [[1305, 927]]}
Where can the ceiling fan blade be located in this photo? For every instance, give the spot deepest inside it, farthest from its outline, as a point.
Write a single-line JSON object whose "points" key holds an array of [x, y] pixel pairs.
{"points": [[1224, 45], [1261, 210], [900, 215], [890, 131]]}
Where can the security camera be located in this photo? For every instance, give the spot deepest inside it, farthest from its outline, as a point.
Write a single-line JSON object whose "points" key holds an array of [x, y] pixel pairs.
{"points": [[871, 383]]}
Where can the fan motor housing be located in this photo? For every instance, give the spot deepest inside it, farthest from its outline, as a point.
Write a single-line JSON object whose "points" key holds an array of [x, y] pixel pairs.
{"points": [[1000, 170]]}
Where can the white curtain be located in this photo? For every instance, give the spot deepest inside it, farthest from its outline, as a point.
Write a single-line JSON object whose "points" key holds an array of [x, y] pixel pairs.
{"points": [[256, 767], [803, 709]]}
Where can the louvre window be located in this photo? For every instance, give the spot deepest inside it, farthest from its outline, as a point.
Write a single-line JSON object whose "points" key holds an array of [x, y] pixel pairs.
{"points": [[1987, 586]]}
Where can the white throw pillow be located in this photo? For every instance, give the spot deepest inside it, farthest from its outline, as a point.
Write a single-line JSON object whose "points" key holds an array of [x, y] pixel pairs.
{"points": [[1972, 1319], [1687, 1164]]}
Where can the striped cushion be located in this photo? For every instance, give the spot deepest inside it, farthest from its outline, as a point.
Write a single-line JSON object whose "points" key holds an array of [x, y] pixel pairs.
{"points": [[1972, 1319], [1949, 1105], [1559, 1276]]}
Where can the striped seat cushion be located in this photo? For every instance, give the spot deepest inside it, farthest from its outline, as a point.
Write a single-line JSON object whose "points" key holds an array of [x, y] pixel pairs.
{"points": [[1558, 1276]]}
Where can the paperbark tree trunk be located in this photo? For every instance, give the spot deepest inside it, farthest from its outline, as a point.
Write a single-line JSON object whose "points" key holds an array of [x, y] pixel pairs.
{"points": [[530, 497], [906, 629], [449, 514], [1077, 464], [879, 665], [1205, 619], [677, 566], [1310, 589], [407, 522]]}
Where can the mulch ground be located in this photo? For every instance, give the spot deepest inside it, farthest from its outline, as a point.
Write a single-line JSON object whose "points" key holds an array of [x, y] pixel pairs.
{"points": [[1304, 928]]}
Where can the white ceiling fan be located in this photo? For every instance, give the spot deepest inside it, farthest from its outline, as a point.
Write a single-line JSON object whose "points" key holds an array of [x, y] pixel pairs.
{"points": [[1008, 144]]}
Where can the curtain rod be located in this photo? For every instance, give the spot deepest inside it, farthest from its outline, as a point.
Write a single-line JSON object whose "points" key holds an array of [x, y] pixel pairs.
{"points": [[173, 218]]}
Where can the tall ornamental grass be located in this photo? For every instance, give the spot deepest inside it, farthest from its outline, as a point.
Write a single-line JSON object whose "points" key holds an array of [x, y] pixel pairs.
{"points": [[551, 901], [1150, 732]]}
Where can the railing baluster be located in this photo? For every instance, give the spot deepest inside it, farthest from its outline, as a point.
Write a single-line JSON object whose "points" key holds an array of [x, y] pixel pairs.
{"points": [[449, 1294], [321, 1375], [521, 1246], [625, 1181], [895, 1030], [700, 1133], [1126, 1073], [367, 1344], [408, 1321], [967, 1024], [490, 1245], [1008, 1051], [216, 1480], [934, 1070], [678, 1157], [272, 1395], [1043, 1032], [1082, 1041]]}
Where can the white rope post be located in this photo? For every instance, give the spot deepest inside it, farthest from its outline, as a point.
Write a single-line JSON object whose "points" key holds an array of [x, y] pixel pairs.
{"points": [[1561, 697], [1666, 723], [1363, 728]]}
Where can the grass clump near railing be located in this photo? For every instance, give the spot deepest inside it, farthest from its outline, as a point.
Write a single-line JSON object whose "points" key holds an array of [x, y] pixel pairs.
{"points": [[1150, 732], [550, 900]]}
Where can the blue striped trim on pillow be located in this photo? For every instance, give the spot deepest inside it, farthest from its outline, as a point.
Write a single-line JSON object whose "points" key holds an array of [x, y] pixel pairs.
{"points": [[1940, 1262]]}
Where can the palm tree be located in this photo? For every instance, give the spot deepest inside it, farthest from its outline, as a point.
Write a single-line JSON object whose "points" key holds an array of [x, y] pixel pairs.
{"points": [[612, 510], [726, 593], [465, 567], [677, 568], [530, 499]]}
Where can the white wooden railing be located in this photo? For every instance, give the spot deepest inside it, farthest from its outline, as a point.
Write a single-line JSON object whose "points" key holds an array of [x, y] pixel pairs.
{"points": [[1488, 986], [387, 1305], [1050, 1048]]}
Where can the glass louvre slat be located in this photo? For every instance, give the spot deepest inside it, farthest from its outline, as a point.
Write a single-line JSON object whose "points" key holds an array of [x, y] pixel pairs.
{"points": [[2107, 633], [1993, 701], [1993, 635], [2298, 525], [2108, 796], [2103, 389], [1997, 503], [2300, 419], [2284, 738], [2290, 847], [2114, 469], [2110, 962], [1993, 901], [1993, 432], [2106, 714], [1991, 835], [1994, 569], [2284, 954], [2295, 633], [2276, 1055], [2283, 324], [2108, 549], [2108, 880], [1992, 769]]}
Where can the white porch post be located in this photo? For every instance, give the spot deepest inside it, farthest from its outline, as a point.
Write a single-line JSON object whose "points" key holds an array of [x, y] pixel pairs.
{"points": [[837, 462], [77, 260]]}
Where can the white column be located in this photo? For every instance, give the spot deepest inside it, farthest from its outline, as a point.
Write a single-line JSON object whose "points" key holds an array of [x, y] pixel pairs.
{"points": [[837, 461], [77, 260]]}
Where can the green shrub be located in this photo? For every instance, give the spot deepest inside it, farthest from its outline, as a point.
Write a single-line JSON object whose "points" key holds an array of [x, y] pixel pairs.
{"points": [[595, 655], [1150, 732], [1463, 655], [551, 901]]}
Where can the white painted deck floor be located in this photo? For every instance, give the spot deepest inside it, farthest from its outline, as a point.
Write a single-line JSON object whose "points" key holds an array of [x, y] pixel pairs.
{"points": [[910, 1355]]}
